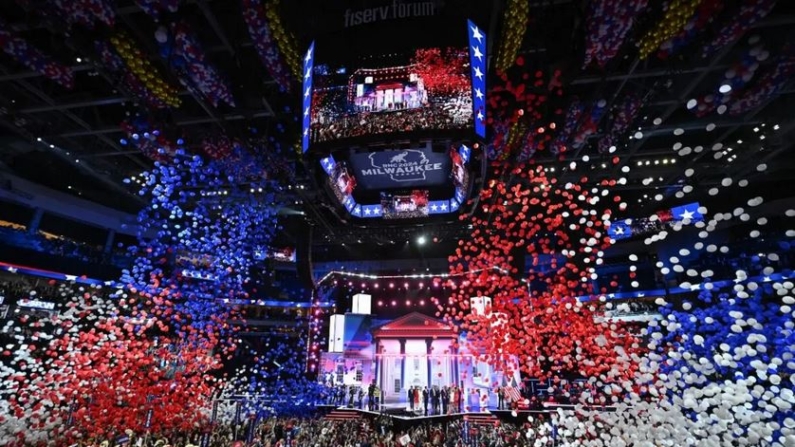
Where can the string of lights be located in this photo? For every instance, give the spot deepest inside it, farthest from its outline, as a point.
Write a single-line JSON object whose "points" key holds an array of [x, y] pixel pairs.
{"points": [[330, 274]]}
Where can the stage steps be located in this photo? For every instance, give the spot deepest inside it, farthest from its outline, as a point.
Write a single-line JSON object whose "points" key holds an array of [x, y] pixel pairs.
{"points": [[342, 414], [481, 419]]}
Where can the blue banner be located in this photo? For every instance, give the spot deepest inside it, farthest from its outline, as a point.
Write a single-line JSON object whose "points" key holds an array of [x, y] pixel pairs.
{"points": [[205, 440], [238, 409], [251, 428], [309, 62], [407, 168], [148, 421], [477, 62], [688, 213], [619, 230], [70, 419], [214, 415]]}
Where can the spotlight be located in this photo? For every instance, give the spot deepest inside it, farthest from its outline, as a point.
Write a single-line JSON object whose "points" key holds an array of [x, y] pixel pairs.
{"points": [[725, 88], [692, 104], [421, 240]]}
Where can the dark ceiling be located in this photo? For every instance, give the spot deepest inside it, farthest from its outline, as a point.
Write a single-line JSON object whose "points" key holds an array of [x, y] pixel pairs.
{"points": [[79, 150]]}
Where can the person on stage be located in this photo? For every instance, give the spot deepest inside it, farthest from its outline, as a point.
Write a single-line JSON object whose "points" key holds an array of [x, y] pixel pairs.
{"points": [[500, 398], [425, 397], [445, 397], [370, 390], [377, 397], [410, 395]]}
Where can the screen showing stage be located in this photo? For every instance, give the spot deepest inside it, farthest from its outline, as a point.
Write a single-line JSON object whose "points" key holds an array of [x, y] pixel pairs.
{"points": [[428, 89]]}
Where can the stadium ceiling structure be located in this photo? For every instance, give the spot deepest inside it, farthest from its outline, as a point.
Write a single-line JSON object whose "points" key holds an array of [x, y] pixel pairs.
{"points": [[70, 139]]}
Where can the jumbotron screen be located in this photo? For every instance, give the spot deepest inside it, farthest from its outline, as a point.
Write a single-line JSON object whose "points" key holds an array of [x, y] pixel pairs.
{"points": [[424, 90], [400, 183]]}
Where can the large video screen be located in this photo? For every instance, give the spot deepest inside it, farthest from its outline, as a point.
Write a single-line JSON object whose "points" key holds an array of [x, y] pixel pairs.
{"points": [[401, 168], [428, 89], [400, 184]]}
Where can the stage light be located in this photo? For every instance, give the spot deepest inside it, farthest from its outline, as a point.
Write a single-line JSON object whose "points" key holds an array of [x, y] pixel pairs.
{"points": [[692, 104], [421, 240], [725, 88]]}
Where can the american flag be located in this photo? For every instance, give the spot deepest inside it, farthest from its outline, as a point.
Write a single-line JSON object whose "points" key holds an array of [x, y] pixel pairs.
{"points": [[477, 62], [512, 394], [309, 62]]}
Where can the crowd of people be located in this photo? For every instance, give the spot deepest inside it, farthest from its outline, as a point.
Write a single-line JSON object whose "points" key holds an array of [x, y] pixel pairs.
{"points": [[63, 247], [319, 432], [447, 114]]}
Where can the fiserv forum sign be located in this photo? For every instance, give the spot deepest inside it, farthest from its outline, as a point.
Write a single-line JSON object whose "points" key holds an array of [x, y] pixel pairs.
{"points": [[396, 10]]}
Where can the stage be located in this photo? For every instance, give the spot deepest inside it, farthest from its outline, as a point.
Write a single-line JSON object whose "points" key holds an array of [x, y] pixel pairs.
{"points": [[404, 414]]}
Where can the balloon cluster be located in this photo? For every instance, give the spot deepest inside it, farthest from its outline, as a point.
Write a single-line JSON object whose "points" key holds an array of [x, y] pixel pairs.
{"points": [[520, 114], [274, 380], [284, 39], [185, 54], [243, 165], [155, 8], [218, 147], [221, 221], [115, 65], [262, 33], [590, 124], [146, 351], [719, 370], [768, 84], [704, 16], [738, 24], [98, 368], [676, 16], [26, 54], [736, 78], [514, 27], [621, 118], [140, 68], [570, 127], [608, 23], [141, 135], [84, 12], [535, 317]]}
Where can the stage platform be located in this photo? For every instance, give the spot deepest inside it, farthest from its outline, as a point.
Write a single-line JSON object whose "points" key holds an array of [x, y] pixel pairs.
{"points": [[402, 415]]}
